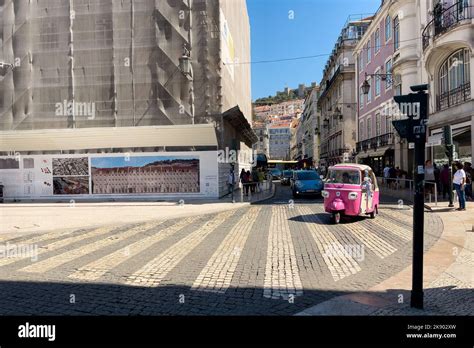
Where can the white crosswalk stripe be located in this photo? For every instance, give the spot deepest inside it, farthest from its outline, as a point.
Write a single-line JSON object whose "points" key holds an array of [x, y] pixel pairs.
{"points": [[153, 273], [403, 233], [67, 256], [217, 274], [380, 247], [399, 215], [67, 240], [282, 277], [337, 257], [98, 268]]}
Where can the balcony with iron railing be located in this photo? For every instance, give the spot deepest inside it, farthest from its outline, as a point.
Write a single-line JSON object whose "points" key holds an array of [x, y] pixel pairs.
{"points": [[375, 142], [453, 97], [445, 19]]}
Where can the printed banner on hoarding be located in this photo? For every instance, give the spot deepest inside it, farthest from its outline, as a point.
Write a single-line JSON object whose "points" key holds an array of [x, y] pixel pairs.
{"points": [[168, 174]]}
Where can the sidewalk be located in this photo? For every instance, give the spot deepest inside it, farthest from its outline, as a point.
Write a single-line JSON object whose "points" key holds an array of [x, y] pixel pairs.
{"points": [[448, 277], [41, 217]]}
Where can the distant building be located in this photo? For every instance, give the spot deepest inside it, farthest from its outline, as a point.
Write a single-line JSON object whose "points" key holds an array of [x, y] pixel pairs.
{"points": [[337, 100], [279, 141], [374, 55], [262, 144]]}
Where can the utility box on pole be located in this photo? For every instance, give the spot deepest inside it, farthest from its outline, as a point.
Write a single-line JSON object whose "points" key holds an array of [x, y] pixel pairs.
{"points": [[415, 107]]}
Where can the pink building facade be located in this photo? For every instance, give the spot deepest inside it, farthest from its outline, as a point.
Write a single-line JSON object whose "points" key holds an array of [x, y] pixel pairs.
{"points": [[374, 60]]}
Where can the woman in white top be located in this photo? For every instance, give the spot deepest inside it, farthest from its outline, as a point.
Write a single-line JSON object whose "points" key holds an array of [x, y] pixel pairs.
{"points": [[459, 182]]}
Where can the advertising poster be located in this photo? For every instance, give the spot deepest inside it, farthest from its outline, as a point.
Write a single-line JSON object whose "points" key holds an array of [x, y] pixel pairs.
{"points": [[145, 174], [71, 176]]}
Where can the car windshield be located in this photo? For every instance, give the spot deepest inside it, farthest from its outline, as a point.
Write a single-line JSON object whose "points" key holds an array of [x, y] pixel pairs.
{"points": [[307, 175], [275, 170], [344, 177], [287, 173]]}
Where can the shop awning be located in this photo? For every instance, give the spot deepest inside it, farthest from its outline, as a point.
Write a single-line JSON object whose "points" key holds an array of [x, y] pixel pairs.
{"points": [[237, 119], [108, 137]]}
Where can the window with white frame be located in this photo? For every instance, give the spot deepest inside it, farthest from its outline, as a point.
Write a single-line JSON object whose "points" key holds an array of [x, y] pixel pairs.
{"points": [[377, 40], [377, 83], [388, 70], [388, 28], [388, 124], [378, 124], [360, 62], [361, 98], [369, 127], [361, 130], [369, 52], [454, 72], [396, 33]]}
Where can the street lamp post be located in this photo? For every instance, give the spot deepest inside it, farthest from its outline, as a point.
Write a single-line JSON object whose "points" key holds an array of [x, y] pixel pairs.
{"points": [[366, 85]]}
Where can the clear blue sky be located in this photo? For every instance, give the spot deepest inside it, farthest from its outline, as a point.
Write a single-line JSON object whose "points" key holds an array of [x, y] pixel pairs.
{"points": [[314, 30]]}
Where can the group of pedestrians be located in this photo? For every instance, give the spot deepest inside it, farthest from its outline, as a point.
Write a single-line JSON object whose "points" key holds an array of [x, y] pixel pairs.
{"points": [[392, 176], [252, 181], [462, 180]]}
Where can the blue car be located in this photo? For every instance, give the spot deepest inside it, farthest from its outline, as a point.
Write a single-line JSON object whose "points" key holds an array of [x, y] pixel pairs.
{"points": [[276, 173], [306, 182]]}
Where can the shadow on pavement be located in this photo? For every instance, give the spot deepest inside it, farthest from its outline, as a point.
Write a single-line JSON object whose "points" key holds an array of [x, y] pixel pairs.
{"points": [[51, 298]]}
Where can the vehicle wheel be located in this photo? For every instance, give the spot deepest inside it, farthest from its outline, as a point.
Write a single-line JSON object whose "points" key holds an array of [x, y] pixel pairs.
{"points": [[337, 218], [295, 195], [374, 213]]}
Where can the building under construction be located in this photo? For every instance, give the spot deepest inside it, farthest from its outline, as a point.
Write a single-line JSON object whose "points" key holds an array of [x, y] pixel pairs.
{"points": [[72, 72]]}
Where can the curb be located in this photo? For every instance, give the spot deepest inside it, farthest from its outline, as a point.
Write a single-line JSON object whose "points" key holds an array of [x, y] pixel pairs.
{"points": [[266, 198]]}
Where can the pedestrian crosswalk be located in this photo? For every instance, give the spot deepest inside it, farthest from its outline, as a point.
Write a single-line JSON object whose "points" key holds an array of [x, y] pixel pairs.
{"points": [[96, 269], [217, 274], [70, 255], [282, 277], [339, 262], [90, 255], [154, 271]]}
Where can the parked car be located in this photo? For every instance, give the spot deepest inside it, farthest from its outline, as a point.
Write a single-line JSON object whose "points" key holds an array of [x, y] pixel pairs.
{"points": [[286, 177], [276, 173], [306, 182]]}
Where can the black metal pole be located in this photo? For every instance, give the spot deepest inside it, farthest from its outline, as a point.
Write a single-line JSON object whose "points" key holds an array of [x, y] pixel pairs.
{"points": [[418, 227], [419, 202]]}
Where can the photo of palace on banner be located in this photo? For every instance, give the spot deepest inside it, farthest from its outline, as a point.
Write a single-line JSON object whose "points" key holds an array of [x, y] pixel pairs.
{"points": [[145, 174]]}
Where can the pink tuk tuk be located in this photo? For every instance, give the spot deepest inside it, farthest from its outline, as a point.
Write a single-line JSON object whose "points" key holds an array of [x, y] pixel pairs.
{"points": [[350, 190]]}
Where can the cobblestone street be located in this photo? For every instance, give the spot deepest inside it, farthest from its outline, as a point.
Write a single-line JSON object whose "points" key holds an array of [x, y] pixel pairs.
{"points": [[275, 258]]}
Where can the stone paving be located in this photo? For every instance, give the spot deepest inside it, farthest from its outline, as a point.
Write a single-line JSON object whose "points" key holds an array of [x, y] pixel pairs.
{"points": [[277, 257]]}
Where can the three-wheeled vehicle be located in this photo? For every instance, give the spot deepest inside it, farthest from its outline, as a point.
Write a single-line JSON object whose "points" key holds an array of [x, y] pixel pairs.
{"points": [[350, 190]]}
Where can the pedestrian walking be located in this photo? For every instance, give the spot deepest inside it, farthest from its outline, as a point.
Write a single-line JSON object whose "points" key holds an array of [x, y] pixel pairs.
{"points": [[244, 179], [386, 174], [392, 174], [261, 178], [231, 180], [255, 180], [468, 171], [250, 182], [459, 182], [437, 173], [444, 180]]}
